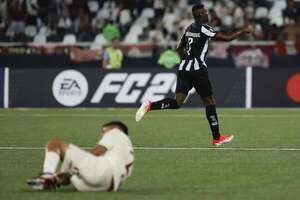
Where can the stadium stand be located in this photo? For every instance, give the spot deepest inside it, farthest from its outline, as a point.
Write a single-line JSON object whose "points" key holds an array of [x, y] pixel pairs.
{"points": [[161, 21]]}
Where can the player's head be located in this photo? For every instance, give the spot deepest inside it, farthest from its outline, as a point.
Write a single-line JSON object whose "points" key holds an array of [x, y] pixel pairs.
{"points": [[115, 124], [200, 13], [115, 42]]}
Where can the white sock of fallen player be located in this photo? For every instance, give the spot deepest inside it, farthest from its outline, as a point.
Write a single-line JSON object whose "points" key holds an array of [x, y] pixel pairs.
{"points": [[51, 162]]}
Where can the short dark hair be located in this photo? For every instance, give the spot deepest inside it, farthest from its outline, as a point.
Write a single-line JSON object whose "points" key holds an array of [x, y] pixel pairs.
{"points": [[119, 124], [114, 38], [197, 6]]}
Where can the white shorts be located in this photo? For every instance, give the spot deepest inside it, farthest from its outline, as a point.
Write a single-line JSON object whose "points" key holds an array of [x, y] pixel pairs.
{"points": [[89, 172]]}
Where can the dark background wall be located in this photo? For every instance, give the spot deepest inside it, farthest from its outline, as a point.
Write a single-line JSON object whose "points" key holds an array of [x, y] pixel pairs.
{"points": [[273, 88]]}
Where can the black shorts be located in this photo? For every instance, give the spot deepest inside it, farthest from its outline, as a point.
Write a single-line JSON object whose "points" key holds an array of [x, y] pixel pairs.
{"points": [[199, 79]]}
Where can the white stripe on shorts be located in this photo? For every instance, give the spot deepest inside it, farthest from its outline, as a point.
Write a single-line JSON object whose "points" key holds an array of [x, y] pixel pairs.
{"points": [[181, 64], [196, 65], [188, 67]]}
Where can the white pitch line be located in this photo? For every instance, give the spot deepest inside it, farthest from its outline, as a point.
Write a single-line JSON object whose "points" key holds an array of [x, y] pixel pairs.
{"points": [[21, 148], [177, 148], [217, 148], [154, 115]]}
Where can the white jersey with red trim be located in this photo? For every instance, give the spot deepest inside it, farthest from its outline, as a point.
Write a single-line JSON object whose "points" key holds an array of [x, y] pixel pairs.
{"points": [[119, 153]]}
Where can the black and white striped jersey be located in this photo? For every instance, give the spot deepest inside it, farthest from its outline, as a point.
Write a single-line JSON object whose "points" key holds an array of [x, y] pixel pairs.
{"points": [[195, 40]]}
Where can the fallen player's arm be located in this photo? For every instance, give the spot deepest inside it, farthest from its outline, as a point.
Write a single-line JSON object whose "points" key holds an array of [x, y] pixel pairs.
{"points": [[99, 150], [233, 35]]}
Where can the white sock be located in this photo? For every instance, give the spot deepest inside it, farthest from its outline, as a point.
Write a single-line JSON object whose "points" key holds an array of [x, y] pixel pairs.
{"points": [[51, 162]]}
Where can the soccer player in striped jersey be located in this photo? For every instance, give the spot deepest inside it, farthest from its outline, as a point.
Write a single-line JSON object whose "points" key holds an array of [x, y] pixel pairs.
{"points": [[193, 71]]}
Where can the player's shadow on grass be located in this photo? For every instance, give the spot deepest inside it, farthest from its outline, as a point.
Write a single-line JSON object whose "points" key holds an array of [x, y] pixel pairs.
{"points": [[59, 190], [130, 191], [149, 191]]}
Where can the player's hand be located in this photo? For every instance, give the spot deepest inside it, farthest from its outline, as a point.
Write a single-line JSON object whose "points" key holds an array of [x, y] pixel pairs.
{"points": [[248, 29]]}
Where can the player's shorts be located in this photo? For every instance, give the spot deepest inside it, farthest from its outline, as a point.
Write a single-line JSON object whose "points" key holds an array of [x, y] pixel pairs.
{"points": [[198, 79], [89, 172]]}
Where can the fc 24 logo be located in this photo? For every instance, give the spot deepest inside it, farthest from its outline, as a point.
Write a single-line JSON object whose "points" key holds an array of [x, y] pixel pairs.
{"points": [[129, 88]]}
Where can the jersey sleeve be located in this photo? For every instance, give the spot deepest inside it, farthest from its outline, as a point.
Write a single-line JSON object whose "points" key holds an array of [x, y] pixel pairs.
{"points": [[107, 141], [208, 31]]}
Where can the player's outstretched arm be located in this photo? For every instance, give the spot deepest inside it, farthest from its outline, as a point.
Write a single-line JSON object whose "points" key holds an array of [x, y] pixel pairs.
{"points": [[233, 35]]}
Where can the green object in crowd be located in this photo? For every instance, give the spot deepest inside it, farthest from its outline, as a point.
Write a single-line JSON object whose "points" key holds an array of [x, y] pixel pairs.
{"points": [[111, 31], [169, 59]]}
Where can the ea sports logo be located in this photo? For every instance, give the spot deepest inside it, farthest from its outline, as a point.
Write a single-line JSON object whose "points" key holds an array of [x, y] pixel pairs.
{"points": [[70, 88]]}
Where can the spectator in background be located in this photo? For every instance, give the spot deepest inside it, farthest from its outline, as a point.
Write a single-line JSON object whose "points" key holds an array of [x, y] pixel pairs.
{"points": [[54, 13], [238, 17], [291, 31], [93, 6], [188, 19], [291, 12], [64, 22], [139, 7], [272, 32], [258, 34], [112, 56], [249, 10], [16, 15], [3, 14], [223, 12], [112, 10], [83, 27], [61, 16], [169, 19], [155, 33], [32, 11], [169, 59], [44, 6], [2, 24], [74, 7], [215, 21], [159, 8], [125, 20]]}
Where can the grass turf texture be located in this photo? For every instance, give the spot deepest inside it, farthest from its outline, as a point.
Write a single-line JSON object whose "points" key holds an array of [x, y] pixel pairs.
{"points": [[163, 174]]}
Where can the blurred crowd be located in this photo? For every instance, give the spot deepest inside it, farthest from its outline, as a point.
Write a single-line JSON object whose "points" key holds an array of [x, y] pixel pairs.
{"points": [[134, 21]]}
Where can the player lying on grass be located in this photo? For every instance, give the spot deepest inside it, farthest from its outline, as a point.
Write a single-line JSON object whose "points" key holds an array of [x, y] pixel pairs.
{"points": [[103, 168], [193, 71]]}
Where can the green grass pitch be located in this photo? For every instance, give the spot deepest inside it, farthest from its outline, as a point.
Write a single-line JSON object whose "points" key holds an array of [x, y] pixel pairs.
{"points": [[262, 162]]}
